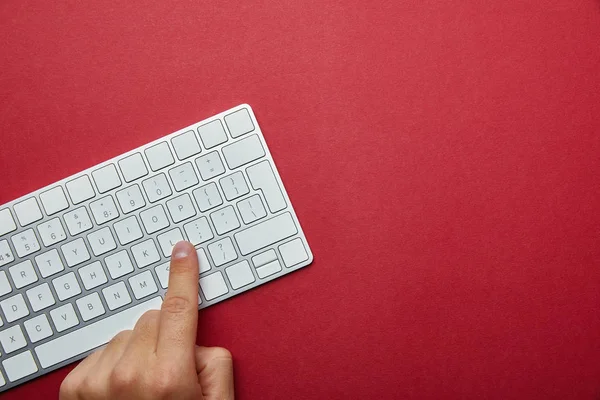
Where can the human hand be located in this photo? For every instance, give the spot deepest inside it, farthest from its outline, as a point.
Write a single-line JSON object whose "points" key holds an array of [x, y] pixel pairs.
{"points": [[158, 359]]}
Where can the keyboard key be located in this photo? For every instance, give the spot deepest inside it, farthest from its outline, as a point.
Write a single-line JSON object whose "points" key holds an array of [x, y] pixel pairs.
{"points": [[264, 258], [225, 220], [101, 241], [2, 381], [19, 366], [240, 274], [212, 134], [185, 145], [25, 243], [207, 197], [213, 286], [40, 297], [204, 264], [143, 285], [51, 232], [106, 178], [293, 252], [157, 188], [54, 200], [251, 209], [78, 221], [118, 264], [133, 167], [64, 317], [38, 328], [210, 165], [6, 255], [154, 219], [130, 199], [265, 233], [239, 123], [28, 211], [104, 210], [262, 178], [234, 186], [181, 208], [269, 269], [128, 230], [12, 339], [80, 189], [222, 251], [4, 284], [198, 231], [145, 253], [7, 223], [23, 274], [159, 156], [243, 151], [91, 336], [75, 252], [49, 263], [90, 306], [14, 307], [183, 176], [92, 275], [168, 239], [116, 296], [162, 272], [66, 286]]}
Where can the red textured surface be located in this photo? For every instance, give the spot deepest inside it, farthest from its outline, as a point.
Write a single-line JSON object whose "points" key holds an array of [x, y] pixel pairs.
{"points": [[443, 158]]}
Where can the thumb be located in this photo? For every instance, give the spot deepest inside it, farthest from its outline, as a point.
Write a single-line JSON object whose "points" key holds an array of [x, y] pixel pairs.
{"points": [[215, 372]]}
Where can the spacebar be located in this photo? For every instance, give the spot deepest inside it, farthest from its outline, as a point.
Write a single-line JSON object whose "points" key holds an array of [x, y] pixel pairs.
{"points": [[93, 335]]}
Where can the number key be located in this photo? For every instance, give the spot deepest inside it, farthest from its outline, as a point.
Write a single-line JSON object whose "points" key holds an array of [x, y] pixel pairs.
{"points": [[51, 232], [130, 199], [6, 256], [104, 210], [25, 243], [157, 188], [78, 221]]}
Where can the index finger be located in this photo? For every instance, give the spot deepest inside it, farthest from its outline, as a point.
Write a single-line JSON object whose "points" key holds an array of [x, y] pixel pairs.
{"points": [[179, 311]]}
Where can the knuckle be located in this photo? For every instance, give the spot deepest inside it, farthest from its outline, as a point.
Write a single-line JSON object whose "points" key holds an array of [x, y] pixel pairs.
{"points": [[120, 337], [123, 379], [176, 304], [148, 318], [220, 353], [165, 383], [68, 388]]}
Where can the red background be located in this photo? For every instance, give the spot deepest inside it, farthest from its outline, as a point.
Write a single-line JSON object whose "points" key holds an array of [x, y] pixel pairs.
{"points": [[443, 158]]}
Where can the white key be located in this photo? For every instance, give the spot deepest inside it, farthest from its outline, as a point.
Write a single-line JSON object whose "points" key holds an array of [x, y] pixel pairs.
{"points": [[262, 178], [51, 232], [183, 176], [145, 253], [101, 241], [225, 220], [293, 252], [54, 200], [208, 197], [159, 156], [198, 231], [92, 275], [143, 285], [7, 223], [23, 274], [162, 272], [40, 297], [212, 134], [2, 381], [28, 211], [19, 366], [12, 339], [154, 219], [25, 243], [181, 208], [104, 210], [266, 233], [80, 189], [38, 328], [78, 221], [239, 123], [264, 258], [6, 255], [106, 178], [222, 251], [213, 285], [64, 317], [130, 199], [251, 209], [66, 286], [240, 274], [210, 165], [133, 167], [168, 239], [49, 263], [128, 230], [14, 307], [4, 284], [90, 306], [185, 145], [75, 252], [234, 186], [157, 187], [116, 296], [268, 269], [243, 151], [204, 264], [118, 264], [91, 336]]}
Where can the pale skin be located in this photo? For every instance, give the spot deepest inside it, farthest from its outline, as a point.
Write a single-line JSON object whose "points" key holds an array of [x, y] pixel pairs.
{"points": [[159, 358]]}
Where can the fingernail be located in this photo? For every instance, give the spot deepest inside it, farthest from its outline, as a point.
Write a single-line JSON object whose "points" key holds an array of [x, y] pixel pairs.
{"points": [[181, 250]]}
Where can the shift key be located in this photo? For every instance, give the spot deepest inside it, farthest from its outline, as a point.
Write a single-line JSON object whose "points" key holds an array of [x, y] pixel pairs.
{"points": [[262, 177], [266, 233]]}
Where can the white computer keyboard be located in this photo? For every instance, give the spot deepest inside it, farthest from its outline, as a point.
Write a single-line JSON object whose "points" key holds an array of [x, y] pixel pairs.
{"points": [[84, 258]]}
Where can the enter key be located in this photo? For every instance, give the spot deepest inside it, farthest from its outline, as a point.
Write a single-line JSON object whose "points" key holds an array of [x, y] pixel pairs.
{"points": [[262, 177]]}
